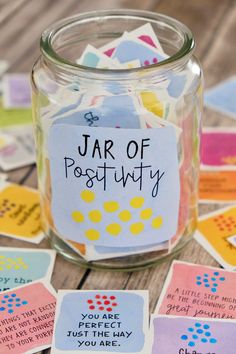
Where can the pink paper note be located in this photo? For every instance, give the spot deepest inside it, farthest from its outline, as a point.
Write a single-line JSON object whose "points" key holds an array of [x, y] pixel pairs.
{"points": [[198, 291], [26, 319], [218, 147]]}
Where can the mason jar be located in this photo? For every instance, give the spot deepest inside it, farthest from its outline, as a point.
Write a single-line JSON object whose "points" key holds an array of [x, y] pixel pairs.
{"points": [[117, 148]]}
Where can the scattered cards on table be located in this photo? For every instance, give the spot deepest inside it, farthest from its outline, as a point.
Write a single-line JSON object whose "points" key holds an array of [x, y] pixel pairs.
{"points": [[196, 311]]}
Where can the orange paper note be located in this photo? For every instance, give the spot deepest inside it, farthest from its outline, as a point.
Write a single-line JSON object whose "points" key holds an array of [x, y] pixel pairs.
{"points": [[20, 213], [217, 186], [213, 231]]}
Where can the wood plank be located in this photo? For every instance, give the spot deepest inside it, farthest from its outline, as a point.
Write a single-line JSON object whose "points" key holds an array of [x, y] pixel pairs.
{"points": [[10, 7], [198, 16]]}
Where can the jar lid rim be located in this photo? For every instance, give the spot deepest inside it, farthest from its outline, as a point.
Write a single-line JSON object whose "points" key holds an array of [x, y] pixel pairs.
{"points": [[51, 54]]}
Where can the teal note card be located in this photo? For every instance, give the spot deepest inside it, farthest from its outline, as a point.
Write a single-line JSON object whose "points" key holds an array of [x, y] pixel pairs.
{"points": [[22, 266]]}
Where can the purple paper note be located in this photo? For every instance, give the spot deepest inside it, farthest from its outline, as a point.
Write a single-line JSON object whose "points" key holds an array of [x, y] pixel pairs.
{"points": [[16, 91], [180, 335]]}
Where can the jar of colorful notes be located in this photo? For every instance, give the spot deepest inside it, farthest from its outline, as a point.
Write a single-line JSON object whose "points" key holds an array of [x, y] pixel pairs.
{"points": [[117, 99]]}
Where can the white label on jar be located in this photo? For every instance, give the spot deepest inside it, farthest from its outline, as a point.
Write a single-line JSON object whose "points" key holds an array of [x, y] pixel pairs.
{"points": [[114, 187]]}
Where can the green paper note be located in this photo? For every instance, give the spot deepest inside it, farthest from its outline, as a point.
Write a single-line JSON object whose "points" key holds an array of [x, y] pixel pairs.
{"points": [[10, 117]]}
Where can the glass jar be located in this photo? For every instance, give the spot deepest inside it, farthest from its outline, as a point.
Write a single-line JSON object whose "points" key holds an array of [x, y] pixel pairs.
{"points": [[111, 198]]}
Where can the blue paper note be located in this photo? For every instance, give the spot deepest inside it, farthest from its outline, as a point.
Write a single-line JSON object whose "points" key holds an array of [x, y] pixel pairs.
{"points": [[101, 321], [19, 266], [104, 250], [222, 97], [176, 85], [115, 112], [129, 50]]}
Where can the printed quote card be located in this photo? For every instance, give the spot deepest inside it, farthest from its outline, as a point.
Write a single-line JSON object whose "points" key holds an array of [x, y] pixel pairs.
{"points": [[217, 187], [198, 291], [20, 213], [221, 97], [19, 152], [27, 318], [218, 147], [16, 91], [115, 192], [182, 335], [21, 266], [213, 231], [101, 321]]}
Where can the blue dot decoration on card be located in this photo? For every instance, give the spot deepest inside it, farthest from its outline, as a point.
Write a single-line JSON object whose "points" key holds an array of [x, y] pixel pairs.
{"points": [[11, 303], [211, 281], [201, 333]]}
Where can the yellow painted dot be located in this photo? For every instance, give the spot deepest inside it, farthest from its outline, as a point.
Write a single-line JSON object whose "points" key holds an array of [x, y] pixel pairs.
{"points": [[114, 229], [87, 196], [92, 234], [8, 266], [17, 267], [77, 216], [95, 215], [25, 266], [137, 228], [111, 207], [157, 222], [125, 215], [137, 202], [145, 214]]}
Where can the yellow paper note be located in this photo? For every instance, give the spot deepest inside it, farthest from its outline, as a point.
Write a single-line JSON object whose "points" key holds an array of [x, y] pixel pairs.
{"points": [[152, 104], [212, 234], [20, 213]]}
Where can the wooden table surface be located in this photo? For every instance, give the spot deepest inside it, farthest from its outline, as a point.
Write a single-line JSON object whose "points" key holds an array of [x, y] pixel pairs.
{"points": [[213, 23]]}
